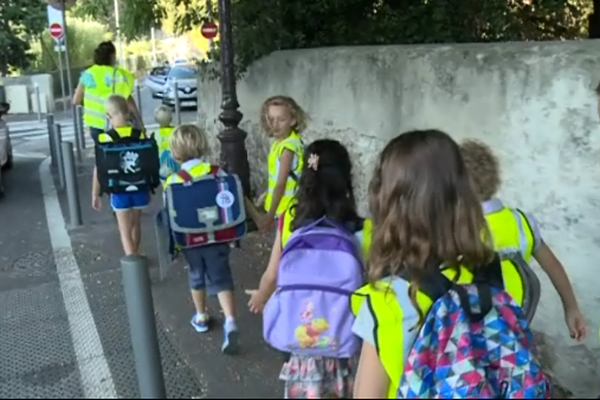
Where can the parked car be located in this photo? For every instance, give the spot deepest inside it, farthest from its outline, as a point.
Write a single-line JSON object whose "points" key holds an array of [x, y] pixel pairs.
{"points": [[186, 77], [6, 155], [156, 79]]}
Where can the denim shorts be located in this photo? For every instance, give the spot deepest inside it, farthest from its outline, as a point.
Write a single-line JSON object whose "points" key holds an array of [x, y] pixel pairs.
{"points": [[209, 268], [129, 201]]}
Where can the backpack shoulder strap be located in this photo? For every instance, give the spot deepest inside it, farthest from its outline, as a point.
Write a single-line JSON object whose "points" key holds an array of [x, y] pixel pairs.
{"points": [[183, 174], [136, 134], [113, 134], [214, 169]]}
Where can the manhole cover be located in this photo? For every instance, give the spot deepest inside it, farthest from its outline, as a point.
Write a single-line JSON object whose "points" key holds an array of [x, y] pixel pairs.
{"points": [[31, 262]]}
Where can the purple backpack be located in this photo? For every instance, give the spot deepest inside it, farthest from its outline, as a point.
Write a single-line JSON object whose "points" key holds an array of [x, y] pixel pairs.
{"points": [[309, 313]]}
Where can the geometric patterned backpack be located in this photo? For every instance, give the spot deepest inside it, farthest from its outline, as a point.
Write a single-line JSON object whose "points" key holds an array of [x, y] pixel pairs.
{"points": [[475, 342]]}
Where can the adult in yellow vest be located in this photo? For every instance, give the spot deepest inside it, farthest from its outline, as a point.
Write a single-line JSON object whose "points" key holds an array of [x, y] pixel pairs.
{"points": [[99, 82]]}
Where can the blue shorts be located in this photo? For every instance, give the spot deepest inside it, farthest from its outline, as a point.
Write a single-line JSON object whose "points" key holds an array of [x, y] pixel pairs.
{"points": [[129, 201], [209, 268]]}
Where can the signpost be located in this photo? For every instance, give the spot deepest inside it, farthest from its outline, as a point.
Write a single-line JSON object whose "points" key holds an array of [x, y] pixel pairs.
{"points": [[56, 31], [209, 30]]}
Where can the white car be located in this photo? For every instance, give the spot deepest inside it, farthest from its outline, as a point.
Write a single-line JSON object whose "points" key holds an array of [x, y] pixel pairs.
{"points": [[6, 156]]}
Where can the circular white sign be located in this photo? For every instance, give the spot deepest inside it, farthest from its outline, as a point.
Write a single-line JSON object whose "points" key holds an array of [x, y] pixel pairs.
{"points": [[225, 199]]}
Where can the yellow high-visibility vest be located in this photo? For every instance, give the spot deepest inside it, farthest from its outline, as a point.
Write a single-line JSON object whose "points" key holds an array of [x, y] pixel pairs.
{"points": [[108, 81]]}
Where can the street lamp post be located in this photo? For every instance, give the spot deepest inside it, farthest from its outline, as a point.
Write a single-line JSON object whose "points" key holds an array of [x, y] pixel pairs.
{"points": [[234, 157]]}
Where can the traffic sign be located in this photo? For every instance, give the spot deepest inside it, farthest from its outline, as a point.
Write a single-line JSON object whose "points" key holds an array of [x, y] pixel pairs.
{"points": [[209, 30], [56, 30]]}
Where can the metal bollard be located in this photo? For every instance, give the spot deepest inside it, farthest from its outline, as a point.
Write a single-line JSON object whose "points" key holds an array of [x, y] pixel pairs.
{"points": [[60, 166], [79, 122], [138, 95], [50, 123], [77, 134], [71, 184], [142, 326], [177, 104], [38, 101]]}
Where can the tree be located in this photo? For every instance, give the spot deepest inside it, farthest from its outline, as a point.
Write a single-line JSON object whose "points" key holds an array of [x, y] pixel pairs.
{"points": [[20, 21], [263, 26], [136, 17]]}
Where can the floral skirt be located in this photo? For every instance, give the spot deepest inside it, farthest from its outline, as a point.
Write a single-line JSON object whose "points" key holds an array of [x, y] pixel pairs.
{"points": [[318, 377]]}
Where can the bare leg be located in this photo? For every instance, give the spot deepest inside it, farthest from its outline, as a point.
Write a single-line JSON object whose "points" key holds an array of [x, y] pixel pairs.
{"points": [[125, 220]]}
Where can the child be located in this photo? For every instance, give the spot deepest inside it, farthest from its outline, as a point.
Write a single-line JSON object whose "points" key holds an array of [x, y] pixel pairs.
{"points": [[283, 119], [164, 118], [127, 206], [208, 265], [325, 189], [424, 215], [521, 234]]}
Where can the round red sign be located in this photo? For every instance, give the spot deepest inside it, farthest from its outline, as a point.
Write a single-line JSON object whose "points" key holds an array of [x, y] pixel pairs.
{"points": [[56, 30], [209, 30]]}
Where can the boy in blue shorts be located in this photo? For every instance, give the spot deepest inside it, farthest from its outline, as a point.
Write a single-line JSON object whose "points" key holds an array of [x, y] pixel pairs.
{"points": [[127, 206], [209, 269]]}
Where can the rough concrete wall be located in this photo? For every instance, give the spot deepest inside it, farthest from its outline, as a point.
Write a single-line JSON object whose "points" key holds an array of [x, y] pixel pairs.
{"points": [[534, 103]]}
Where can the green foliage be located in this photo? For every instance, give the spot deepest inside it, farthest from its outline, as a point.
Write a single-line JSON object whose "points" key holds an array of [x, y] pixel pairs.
{"points": [[19, 21], [263, 26], [136, 17]]}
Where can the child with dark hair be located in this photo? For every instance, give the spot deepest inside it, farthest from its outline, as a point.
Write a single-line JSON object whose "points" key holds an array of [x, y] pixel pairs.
{"points": [[515, 230], [324, 190]]}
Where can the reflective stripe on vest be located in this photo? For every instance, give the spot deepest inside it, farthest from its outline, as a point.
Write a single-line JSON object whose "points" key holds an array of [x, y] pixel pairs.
{"points": [[511, 232], [164, 137], [293, 143], [386, 307], [124, 131], [363, 236], [195, 172], [94, 98]]}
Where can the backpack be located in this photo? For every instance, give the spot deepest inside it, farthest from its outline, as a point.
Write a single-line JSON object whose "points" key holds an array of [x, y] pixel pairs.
{"points": [[475, 342], [206, 210], [309, 313], [127, 164]]}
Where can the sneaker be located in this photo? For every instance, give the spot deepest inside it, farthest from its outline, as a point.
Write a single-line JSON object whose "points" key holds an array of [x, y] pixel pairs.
{"points": [[200, 323], [231, 340]]}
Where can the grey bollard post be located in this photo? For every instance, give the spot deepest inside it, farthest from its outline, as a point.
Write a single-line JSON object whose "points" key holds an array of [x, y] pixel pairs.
{"points": [[38, 101], [60, 166], [71, 185], [77, 134], [80, 127], [50, 123], [138, 95], [177, 104], [142, 326]]}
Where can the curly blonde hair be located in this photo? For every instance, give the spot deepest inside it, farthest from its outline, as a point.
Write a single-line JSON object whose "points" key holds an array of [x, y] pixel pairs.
{"points": [[296, 112], [483, 168], [188, 142], [425, 214]]}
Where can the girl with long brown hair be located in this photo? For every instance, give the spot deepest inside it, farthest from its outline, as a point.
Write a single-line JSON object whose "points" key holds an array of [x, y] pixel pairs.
{"points": [[425, 216]]}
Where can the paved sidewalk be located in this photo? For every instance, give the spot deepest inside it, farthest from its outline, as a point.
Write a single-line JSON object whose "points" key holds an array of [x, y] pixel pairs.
{"points": [[252, 374]]}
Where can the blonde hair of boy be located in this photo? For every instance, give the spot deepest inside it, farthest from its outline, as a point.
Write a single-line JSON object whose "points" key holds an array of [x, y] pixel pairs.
{"points": [[117, 106], [296, 112], [163, 116], [483, 168], [188, 142]]}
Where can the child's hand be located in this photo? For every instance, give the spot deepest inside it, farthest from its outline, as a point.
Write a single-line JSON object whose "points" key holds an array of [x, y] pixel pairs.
{"points": [[575, 323], [257, 301], [96, 202]]}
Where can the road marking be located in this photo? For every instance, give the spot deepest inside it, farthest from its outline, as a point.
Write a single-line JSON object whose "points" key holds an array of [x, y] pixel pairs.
{"points": [[96, 378]]}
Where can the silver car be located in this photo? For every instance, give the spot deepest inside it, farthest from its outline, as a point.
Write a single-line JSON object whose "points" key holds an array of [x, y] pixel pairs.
{"points": [[156, 79], [185, 78], [6, 155]]}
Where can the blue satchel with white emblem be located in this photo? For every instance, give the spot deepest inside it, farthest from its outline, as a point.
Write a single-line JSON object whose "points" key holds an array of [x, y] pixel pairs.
{"points": [[207, 209]]}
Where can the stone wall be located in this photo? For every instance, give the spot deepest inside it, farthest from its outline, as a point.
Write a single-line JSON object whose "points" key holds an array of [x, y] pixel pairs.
{"points": [[533, 102]]}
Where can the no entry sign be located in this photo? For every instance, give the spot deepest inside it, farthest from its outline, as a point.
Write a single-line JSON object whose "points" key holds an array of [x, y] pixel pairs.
{"points": [[56, 30], [209, 30]]}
